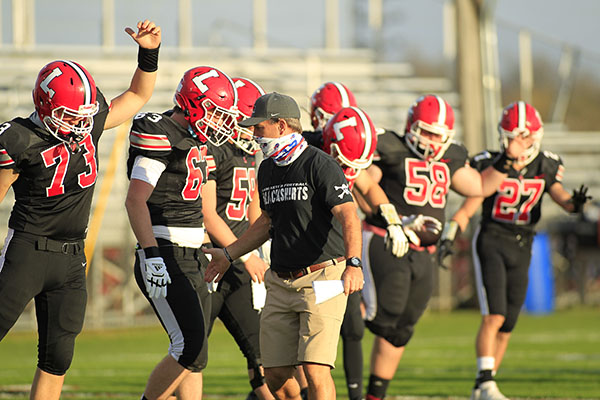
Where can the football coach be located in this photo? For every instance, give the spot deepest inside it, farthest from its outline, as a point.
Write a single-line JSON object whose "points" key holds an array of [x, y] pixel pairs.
{"points": [[309, 213]]}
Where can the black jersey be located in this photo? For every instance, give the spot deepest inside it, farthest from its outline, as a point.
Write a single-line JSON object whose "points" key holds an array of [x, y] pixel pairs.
{"points": [[54, 190], [234, 172], [314, 138], [298, 198], [176, 200], [414, 185], [517, 204]]}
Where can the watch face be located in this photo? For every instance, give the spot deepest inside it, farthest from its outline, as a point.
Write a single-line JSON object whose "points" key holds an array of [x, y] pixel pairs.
{"points": [[355, 262]]}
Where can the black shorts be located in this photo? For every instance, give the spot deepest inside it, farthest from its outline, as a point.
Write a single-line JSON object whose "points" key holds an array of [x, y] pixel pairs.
{"points": [[181, 312], [56, 280], [501, 261], [232, 304], [403, 288]]}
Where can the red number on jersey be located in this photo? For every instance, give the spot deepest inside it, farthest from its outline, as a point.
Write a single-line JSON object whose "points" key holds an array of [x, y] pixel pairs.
{"points": [[60, 155], [88, 178], [511, 193], [195, 175], [237, 209], [426, 182]]}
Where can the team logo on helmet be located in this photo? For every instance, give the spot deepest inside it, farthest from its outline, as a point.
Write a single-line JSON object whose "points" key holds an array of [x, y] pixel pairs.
{"points": [[64, 97], [208, 99], [350, 137], [328, 99], [429, 127]]}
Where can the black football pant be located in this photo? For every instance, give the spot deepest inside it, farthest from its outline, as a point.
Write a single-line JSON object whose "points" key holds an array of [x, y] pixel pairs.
{"points": [[232, 304], [403, 286], [353, 329], [52, 273], [181, 312], [501, 261]]}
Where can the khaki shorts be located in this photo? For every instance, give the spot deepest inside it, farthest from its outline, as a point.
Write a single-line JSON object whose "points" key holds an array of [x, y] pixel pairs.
{"points": [[293, 329]]}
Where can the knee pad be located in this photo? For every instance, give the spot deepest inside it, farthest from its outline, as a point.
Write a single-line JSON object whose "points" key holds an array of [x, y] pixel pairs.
{"points": [[194, 356], [509, 322], [58, 365], [353, 329], [56, 361], [259, 378], [400, 337]]}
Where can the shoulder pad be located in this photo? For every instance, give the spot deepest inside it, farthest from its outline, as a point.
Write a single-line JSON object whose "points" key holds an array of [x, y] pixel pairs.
{"points": [[16, 136], [551, 155], [149, 134], [456, 150]]}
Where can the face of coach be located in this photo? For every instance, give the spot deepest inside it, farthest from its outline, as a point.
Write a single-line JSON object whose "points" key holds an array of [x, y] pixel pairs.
{"points": [[274, 115]]}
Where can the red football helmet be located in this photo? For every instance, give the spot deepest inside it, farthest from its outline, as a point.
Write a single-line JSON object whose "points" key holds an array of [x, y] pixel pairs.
{"points": [[247, 91], [351, 139], [209, 101], [520, 118], [64, 97], [327, 100], [430, 116]]}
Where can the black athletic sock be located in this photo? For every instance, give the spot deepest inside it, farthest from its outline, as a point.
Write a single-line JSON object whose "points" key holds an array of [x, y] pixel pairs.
{"points": [[377, 386], [353, 362]]}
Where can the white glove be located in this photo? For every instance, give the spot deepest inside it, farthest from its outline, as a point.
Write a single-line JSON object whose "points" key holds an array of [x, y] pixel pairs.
{"points": [[397, 240], [157, 277], [395, 236]]}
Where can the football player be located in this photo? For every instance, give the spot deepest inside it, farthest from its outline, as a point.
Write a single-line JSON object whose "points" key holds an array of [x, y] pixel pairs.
{"points": [[51, 161], [416, 170], [230, 205], [502, 242], [167, 167]]}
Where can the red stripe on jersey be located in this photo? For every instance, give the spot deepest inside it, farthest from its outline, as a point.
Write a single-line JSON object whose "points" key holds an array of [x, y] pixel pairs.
{"points": [[149, 141], [150, 147], [5, 159], [211, 165]]}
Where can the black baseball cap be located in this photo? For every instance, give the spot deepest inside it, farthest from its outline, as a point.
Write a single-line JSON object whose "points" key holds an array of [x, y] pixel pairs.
{"points": [[272, 105]]}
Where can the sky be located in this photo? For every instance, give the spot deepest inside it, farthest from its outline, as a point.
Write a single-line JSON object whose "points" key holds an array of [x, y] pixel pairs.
{"points": [[409, 25]]}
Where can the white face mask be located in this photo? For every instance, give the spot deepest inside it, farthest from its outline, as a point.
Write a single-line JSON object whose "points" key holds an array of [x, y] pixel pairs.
{"points": [[283, 150]]}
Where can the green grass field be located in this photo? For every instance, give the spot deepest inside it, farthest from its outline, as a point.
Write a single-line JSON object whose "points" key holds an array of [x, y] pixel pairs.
{"points": [[552, 357]]}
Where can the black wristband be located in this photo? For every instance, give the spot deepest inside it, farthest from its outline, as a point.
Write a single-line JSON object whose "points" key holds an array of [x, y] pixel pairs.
{"points": [[151, 252], [227, 255], [148, 59], [504, 164]]}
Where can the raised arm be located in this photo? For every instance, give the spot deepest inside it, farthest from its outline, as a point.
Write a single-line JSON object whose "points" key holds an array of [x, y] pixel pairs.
{"points": [[128, 103]]}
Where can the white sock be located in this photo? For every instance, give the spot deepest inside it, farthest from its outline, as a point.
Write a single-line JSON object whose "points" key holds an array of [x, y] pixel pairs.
{"points": [[484, 363]]}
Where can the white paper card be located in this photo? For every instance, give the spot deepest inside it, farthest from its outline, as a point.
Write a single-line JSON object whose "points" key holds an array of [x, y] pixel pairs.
{"points": [[259, 295], [325, 290]]}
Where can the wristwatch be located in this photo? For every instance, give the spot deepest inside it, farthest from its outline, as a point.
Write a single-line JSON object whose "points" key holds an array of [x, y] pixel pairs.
{"points": [[354, 262]]}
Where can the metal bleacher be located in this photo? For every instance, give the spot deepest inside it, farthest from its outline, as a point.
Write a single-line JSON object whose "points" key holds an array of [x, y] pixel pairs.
{"points": [[384, 90]]}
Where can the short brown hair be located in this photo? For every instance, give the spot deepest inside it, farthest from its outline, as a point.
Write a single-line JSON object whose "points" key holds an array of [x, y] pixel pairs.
{"points": [[293, 123]]}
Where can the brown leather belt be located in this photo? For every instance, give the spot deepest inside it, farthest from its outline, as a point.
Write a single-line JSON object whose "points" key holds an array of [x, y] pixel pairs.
{"points": [[307, 270]]}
